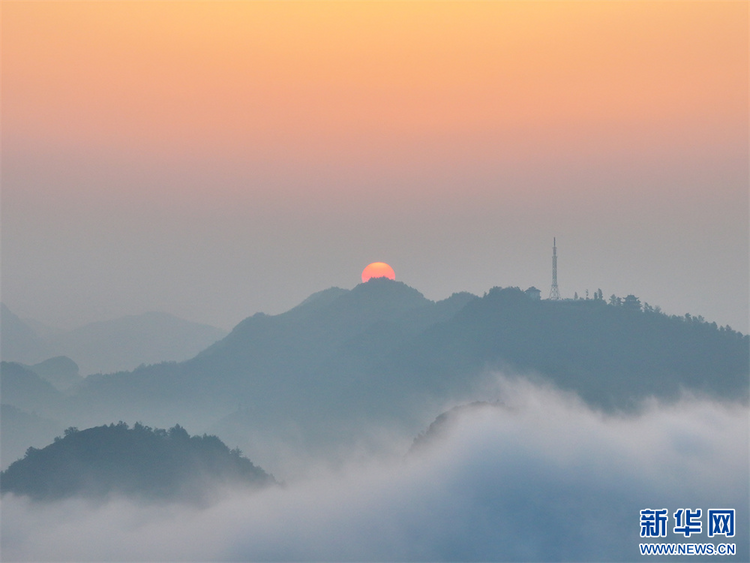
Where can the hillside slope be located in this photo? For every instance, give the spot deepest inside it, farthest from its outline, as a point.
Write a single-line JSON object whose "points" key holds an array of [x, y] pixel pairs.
{"points": [[345, 362]]}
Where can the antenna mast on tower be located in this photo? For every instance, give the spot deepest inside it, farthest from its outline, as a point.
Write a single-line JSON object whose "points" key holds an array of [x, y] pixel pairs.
{"points": [[554, 293]]}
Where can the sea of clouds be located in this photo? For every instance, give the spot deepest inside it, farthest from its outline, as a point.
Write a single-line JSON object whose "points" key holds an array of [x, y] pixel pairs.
{"points": [[536, 477]]}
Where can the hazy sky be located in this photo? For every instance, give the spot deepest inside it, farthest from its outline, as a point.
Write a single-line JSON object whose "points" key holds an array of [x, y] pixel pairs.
{"points": [[212, 160]]}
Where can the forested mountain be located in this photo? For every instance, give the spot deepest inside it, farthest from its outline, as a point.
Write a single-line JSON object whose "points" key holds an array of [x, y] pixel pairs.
{"points": [[343, 362], [296, 363], [610, 354], [143, 462]]}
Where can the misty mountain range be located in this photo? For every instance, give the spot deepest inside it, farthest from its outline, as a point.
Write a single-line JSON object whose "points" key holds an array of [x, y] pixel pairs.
{"points": [[106, 346], [345, 362]]}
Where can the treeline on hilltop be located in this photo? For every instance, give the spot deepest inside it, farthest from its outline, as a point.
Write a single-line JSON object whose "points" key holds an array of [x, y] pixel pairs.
{"points": [[611, 353], [381, 348], [329, 369], [633, 303], [139, 461]]}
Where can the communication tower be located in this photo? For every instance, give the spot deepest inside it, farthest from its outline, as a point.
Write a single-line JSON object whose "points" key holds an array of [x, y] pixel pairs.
{"points": [[554, 293]]}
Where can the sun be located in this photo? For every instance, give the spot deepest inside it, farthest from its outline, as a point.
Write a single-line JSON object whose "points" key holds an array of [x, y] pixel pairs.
{"points": [[378, 270]]}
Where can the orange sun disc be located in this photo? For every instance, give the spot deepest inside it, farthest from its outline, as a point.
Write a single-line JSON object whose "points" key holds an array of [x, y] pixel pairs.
{"points": [[378, 270]]}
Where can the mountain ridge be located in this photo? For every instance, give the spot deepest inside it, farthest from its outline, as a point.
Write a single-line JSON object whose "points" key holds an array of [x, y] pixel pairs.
{"points": [[109, 346], [382, 354]]}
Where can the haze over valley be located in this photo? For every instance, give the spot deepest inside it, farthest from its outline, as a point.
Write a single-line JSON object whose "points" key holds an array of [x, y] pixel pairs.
{"points": [[376, 387], [546, 203]]}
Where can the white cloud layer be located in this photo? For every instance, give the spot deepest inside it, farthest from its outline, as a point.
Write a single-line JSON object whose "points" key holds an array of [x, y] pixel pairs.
{"points": [[540, 478]]}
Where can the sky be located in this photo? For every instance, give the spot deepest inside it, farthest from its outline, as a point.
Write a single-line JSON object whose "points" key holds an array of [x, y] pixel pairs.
{"points": [[212, 160]]}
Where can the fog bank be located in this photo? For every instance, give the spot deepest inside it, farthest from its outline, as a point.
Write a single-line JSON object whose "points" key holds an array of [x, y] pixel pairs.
{"points": [[537, 477]]}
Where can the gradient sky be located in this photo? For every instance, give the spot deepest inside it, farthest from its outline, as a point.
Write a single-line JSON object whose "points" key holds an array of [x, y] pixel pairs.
{"points": [[212, 159]]}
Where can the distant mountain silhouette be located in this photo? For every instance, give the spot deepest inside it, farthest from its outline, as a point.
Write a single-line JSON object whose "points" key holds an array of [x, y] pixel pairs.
{"points": [[345, 361], [127, 342], [140, 461], [24, 389], [323, 321], [300, 359], [60, 371], [18, 341], [31, 406], [120, 344]]}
